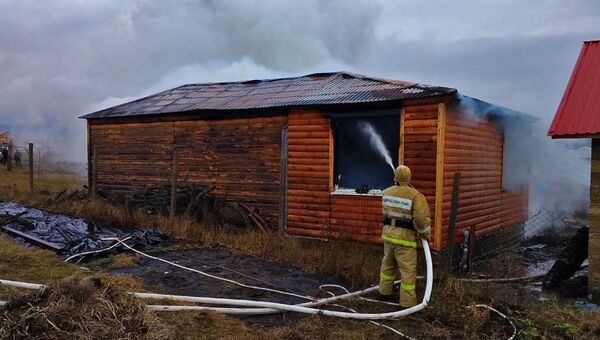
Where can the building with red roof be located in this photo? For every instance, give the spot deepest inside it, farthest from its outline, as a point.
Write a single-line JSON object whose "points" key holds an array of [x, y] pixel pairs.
{"points": [[578, 116]]}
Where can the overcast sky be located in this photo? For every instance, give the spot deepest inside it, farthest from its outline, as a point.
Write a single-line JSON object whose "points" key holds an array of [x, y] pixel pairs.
{"points": [[61, 59]]}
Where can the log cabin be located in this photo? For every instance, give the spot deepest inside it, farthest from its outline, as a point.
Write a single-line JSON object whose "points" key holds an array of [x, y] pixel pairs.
{"points": [[313, 153]]}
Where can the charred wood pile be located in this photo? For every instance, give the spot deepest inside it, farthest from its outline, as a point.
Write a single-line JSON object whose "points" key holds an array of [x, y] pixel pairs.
{"points": [[65, 195], [199, 203], [192, 200]]}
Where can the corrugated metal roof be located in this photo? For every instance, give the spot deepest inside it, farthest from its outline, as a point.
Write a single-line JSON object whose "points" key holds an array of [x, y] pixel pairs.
{"points": [[579, 111], [309, 90]]}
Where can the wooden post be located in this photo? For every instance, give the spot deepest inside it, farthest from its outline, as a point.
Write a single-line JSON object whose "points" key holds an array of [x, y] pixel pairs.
{"points": [[283, 182], [95, 166], [401, 148], [452, 218], [439, 177], [594, 223], [472, 245], [9, 157], [30, 167], [172, 209]]}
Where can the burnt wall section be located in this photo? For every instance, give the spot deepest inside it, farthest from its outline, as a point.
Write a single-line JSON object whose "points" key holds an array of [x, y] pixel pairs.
{"points": [[475, 148], [132, 155], [420, 152], [240, 158], [309, 173]]}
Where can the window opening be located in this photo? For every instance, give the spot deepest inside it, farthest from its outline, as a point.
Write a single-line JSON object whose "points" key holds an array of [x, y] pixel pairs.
{"points": [[365, 152]]}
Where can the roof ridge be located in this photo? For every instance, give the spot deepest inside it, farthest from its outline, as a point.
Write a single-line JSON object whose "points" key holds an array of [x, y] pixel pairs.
{"points": [[325, 88]]}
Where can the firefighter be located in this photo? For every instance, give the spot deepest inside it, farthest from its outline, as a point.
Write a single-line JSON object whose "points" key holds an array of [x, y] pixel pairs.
{"points": [[405, 214]]}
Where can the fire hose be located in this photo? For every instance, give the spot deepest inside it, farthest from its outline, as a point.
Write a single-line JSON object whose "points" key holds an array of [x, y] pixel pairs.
{"points": [[270, 307], [264, 307]]}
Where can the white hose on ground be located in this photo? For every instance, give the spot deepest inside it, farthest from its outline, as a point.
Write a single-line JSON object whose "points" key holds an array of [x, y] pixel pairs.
{"points": [[20, 284], [329, 285], [95, 251], [121, 242], [240, 311], [292, 308], [514, 328], [355, 311], [503, 280], [298, 308]]}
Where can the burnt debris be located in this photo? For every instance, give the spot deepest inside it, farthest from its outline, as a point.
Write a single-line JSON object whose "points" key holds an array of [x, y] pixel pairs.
{"points": [[569, 261]]}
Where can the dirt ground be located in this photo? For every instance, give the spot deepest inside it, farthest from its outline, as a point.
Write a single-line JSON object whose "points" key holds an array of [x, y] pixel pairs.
{"points": [[246, 269]]}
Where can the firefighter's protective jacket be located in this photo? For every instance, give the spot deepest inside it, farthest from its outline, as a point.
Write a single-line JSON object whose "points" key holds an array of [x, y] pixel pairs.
{"points": [[406, 206]]}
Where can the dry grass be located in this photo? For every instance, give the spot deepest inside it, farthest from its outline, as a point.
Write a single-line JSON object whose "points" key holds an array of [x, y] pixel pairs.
{"points": [[31, 264], [81, 307], [357, 262], [15, 183], [124, 260]]}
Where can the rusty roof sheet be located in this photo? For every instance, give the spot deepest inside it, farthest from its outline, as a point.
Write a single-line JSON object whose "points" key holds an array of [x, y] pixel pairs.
{"points": [[579, 111], [310, 90]]}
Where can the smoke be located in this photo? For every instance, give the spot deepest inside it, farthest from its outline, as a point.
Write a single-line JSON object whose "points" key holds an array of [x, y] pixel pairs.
{"points": [[555, 171], [376, 142], [65, 58]]}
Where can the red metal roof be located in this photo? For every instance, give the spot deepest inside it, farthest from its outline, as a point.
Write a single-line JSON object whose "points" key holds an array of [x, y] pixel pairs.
{"points": [[310, 90], [579, 112]]}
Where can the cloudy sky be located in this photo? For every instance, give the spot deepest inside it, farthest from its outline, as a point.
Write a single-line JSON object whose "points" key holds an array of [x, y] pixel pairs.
{"points": [[60, 59]]}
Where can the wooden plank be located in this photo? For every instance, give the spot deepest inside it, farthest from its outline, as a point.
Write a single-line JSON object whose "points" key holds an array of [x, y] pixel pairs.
{"points": [[422, 108], [31, 238], [308, 148], [309, 168], [308, 155], [331, 161], [401, 149], [308, 174], [439, 176], [309, 128]]}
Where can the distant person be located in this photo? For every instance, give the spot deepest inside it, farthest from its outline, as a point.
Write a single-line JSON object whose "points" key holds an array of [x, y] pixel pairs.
{"points": [[17, 157], [4, 156], [405, 214]]}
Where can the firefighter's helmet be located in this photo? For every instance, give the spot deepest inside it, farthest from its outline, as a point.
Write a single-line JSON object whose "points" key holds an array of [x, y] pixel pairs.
{"points": [[402, 174]]}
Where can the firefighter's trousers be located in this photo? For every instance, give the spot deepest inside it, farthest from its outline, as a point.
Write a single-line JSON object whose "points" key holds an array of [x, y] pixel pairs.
{"points": [[404, 258]]}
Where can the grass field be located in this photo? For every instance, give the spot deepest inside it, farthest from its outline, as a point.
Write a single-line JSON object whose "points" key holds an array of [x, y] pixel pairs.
{"points": [[449, 314]]}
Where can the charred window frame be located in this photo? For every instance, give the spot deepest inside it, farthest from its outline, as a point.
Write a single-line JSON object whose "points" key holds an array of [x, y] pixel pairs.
{"points": [[358, 163]]}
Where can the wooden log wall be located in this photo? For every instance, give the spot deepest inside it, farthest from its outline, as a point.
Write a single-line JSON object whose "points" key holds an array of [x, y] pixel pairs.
{"points": [[475, 148], [420, 153], [309, 173], [239, 157], [314, 211], [356, 217], [132, 155]]}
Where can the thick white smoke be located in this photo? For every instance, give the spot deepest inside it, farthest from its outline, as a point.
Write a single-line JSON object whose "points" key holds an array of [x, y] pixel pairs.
{"points": [[64, 58], [556, 171]]}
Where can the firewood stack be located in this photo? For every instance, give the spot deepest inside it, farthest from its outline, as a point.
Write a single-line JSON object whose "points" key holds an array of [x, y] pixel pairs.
{"points": [[198, 203], [193, 200]]}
